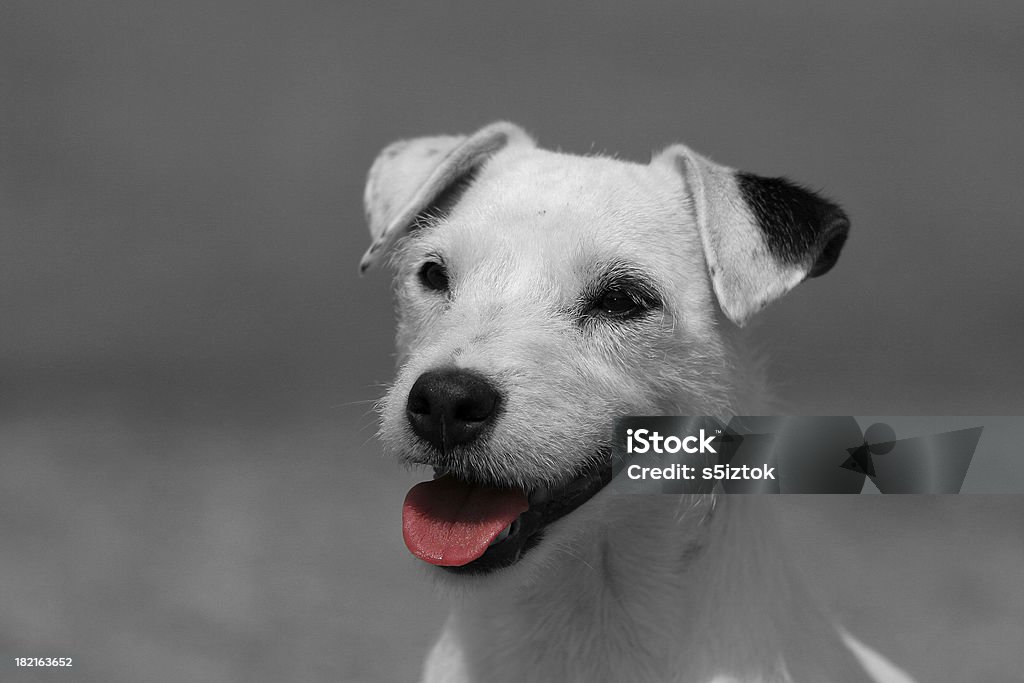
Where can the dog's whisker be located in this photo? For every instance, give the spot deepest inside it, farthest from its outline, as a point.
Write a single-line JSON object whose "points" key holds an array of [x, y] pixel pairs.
{"points": [[576, 556]]}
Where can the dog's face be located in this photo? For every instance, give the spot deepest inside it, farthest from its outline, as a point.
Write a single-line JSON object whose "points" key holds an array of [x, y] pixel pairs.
{"points": [[543, 295]]}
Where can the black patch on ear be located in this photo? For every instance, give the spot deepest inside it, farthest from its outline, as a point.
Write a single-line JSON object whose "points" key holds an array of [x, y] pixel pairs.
{"points": [[446, 200], [797, 223]]}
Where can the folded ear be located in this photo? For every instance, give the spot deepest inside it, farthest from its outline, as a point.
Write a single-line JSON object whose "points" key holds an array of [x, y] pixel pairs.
{"points": [[761, 236], [411, 177]]}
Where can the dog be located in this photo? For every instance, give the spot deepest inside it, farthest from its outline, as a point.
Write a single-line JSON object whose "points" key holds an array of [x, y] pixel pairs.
{"points": [[540, 296]]}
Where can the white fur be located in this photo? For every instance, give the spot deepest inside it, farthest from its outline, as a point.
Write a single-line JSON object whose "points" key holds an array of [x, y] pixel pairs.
{"points": [[691, 588]]}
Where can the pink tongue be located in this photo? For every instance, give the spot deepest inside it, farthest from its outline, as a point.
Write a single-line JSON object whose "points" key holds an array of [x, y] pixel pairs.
{"points": [[450, 523]]}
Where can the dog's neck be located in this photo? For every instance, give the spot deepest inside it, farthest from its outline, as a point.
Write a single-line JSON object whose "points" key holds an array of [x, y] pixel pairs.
{"points": [[699, 592]]}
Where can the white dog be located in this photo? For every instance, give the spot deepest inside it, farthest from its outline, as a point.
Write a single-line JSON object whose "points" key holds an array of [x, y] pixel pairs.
{"points": [[540, 296]]}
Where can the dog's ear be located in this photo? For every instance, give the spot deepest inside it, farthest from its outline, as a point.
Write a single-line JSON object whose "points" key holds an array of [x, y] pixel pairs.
{"points": [[761, 236], [412, 177]]}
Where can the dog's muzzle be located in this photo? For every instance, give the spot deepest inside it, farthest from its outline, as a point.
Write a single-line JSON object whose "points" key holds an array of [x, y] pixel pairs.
{"points": [[462, 525]]}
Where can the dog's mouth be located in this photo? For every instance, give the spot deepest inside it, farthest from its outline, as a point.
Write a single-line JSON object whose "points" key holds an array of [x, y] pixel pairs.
{"points": [[469, 528]]}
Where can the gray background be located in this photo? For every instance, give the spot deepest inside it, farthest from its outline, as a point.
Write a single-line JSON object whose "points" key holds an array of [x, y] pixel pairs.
{"points": [[189, 484]]}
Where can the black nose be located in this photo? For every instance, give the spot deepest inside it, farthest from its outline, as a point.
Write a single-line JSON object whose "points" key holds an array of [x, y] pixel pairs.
{"points": [[451, 407]]}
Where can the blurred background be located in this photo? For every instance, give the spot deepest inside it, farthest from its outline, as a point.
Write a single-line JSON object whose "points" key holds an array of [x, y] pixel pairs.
{"points": [[190, 488]]}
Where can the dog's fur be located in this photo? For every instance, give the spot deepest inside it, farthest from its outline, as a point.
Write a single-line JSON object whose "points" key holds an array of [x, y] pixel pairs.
{"points": [[689, 588]]}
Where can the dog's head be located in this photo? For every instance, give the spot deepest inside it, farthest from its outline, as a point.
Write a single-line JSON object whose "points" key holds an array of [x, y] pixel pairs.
{"points": [[542, 295]]}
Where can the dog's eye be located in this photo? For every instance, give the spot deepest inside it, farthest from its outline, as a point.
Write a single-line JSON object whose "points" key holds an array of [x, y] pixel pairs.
{"points": [[434, 276], [620, 298], [617, 302]]}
